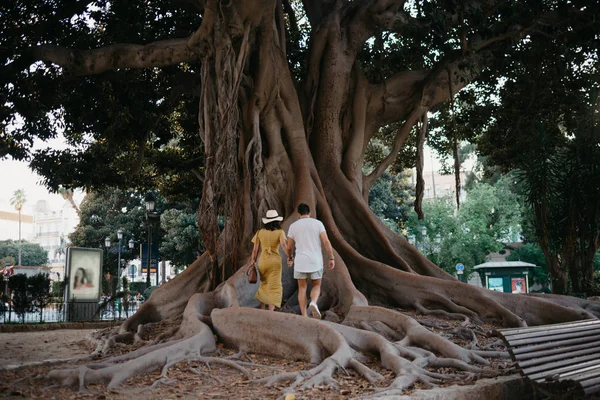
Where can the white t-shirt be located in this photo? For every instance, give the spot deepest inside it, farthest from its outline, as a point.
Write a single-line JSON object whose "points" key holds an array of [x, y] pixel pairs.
{"points": [[306, 234]]}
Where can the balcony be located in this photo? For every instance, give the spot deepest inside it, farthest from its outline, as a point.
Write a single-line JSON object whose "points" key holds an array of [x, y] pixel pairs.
{"points": [[42, 234]]}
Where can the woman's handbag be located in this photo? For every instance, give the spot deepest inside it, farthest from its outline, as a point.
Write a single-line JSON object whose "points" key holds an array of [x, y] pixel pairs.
{"points": [[252, 274]]}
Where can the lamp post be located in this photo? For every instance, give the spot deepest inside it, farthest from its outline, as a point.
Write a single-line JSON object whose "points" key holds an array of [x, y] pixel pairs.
{"points": [[131, 244], [150, 202], [119, 236], [6, 277], [109, 283]]}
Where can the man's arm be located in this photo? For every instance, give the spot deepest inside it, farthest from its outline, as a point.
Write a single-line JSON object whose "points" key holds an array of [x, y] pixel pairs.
{"points": [[327, 244], [291, 251]]}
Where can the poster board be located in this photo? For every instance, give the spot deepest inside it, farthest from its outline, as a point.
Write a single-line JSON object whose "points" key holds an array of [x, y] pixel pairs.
{"points": [[84, 267], [518, 285], [496, 284]]}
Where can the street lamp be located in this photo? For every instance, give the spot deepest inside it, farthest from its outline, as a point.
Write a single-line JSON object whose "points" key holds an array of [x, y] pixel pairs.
{"points": [[105, 263], [119, 236], [411, 239], [150, 201], [131, 244]]}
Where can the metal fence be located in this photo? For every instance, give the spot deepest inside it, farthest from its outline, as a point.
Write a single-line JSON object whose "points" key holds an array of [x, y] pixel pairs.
{"points": [[68, 312]]}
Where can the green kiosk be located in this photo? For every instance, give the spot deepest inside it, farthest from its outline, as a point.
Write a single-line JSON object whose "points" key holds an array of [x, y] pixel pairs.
{"points": [[505, 276]]}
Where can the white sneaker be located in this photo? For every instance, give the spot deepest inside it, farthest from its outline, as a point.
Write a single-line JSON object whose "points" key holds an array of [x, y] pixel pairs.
{"points": [[314, 310]]}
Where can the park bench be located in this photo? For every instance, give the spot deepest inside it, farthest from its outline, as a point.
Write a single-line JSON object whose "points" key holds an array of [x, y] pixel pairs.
{"points": [[558, 359]]}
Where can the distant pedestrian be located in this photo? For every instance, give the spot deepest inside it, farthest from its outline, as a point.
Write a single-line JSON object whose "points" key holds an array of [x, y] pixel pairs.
{"points": [[305, 236]]}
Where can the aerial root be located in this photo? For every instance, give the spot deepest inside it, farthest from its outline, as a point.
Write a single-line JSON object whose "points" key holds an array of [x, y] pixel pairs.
{"points": [[442, 313], [382, 329], [415, 334], [115, 370], [365, 371], [322, 374], [163, 381], [239, 355], [206, 375], [112, 341], [142, 329], [228, 363]]}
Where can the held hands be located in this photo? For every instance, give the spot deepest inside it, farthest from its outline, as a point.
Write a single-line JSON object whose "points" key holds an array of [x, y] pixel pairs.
{"points": [[331, 263], [290, 262]]}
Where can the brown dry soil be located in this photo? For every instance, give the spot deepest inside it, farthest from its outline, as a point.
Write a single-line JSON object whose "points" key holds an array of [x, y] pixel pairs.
{"points": [[214, 382]]}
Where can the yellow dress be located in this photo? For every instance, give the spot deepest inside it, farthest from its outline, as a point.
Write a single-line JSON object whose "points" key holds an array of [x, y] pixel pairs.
{"points": [[270, 290]]}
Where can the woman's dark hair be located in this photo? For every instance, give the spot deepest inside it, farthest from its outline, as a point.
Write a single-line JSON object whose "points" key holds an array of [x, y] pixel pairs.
{"points": [[303, 209], [273, 226]]}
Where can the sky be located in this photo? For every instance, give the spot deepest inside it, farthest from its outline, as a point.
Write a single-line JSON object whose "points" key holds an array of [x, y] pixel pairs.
{"points": [[15, 175]]}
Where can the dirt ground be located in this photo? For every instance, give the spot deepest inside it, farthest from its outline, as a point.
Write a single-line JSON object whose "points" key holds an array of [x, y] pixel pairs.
{"points": [[185, 381], [22, 347]]}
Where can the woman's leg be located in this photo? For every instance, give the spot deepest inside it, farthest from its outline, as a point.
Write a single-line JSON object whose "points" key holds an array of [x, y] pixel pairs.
{"points": [[262, 306]]}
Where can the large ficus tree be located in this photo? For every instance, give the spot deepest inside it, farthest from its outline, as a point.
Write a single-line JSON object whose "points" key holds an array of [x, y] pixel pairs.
{"points": [[264, 104]]}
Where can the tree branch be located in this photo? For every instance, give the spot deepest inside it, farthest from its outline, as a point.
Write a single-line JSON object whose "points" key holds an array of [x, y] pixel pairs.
{"points": [[365, 19], [393, 100], [399, 140], [118, 56]]}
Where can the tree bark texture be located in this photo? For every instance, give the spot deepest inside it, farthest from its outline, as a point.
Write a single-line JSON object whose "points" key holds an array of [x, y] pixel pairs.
{"points": [[271, 144]]}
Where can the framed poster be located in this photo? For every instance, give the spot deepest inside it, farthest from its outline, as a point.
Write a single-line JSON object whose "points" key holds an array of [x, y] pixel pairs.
{"points": [[496, 284], [518, 285], [84, 268]]}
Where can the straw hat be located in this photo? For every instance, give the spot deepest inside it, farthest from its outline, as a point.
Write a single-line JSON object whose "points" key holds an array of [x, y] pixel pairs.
{"points": [[272, 216]]}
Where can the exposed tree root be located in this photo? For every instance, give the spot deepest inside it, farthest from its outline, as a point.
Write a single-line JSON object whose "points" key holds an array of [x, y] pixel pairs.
{"points": [[112, 373], [251, 330]]}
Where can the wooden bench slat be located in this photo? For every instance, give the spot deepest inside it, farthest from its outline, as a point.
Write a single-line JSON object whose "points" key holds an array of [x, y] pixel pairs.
{"points": [[542, 375], [550, 345], [562, 356], [548, 338], [521, 357], [550, 368], [515, 331], [593, 369], [585, 379], [589, 385], [554, 332], [595, 388]]}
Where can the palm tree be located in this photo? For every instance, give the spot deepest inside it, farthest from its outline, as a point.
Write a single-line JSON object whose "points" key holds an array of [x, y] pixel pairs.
{"points": [[18, 200], [67, 194]]}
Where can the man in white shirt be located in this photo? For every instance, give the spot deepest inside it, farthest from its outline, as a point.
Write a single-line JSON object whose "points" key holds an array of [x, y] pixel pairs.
{"points": [[305, 237]]}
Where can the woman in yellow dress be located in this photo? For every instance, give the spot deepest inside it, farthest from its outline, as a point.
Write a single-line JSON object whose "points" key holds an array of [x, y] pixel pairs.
{"points": [[268, 239]]}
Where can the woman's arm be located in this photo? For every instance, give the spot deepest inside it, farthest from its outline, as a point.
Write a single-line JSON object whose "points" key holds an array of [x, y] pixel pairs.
{"points": [[255, 251], [283, 242]]}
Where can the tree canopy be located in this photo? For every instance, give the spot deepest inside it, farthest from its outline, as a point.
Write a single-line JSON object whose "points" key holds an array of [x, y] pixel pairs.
{"points": [[265, 104], [489, 218], [104, 213], [32, 254]]}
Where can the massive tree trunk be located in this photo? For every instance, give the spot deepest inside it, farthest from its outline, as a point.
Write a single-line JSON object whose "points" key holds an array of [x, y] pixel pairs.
{"points": [[271, 145]]}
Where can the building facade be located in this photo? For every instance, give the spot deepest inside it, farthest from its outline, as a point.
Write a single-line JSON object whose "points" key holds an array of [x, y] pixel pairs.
{"points": [[9, 226], [51, 231]]}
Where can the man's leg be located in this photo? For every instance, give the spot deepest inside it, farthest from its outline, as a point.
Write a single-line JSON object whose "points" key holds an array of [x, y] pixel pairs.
{"points": [[315, 291], [302, 296]]}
